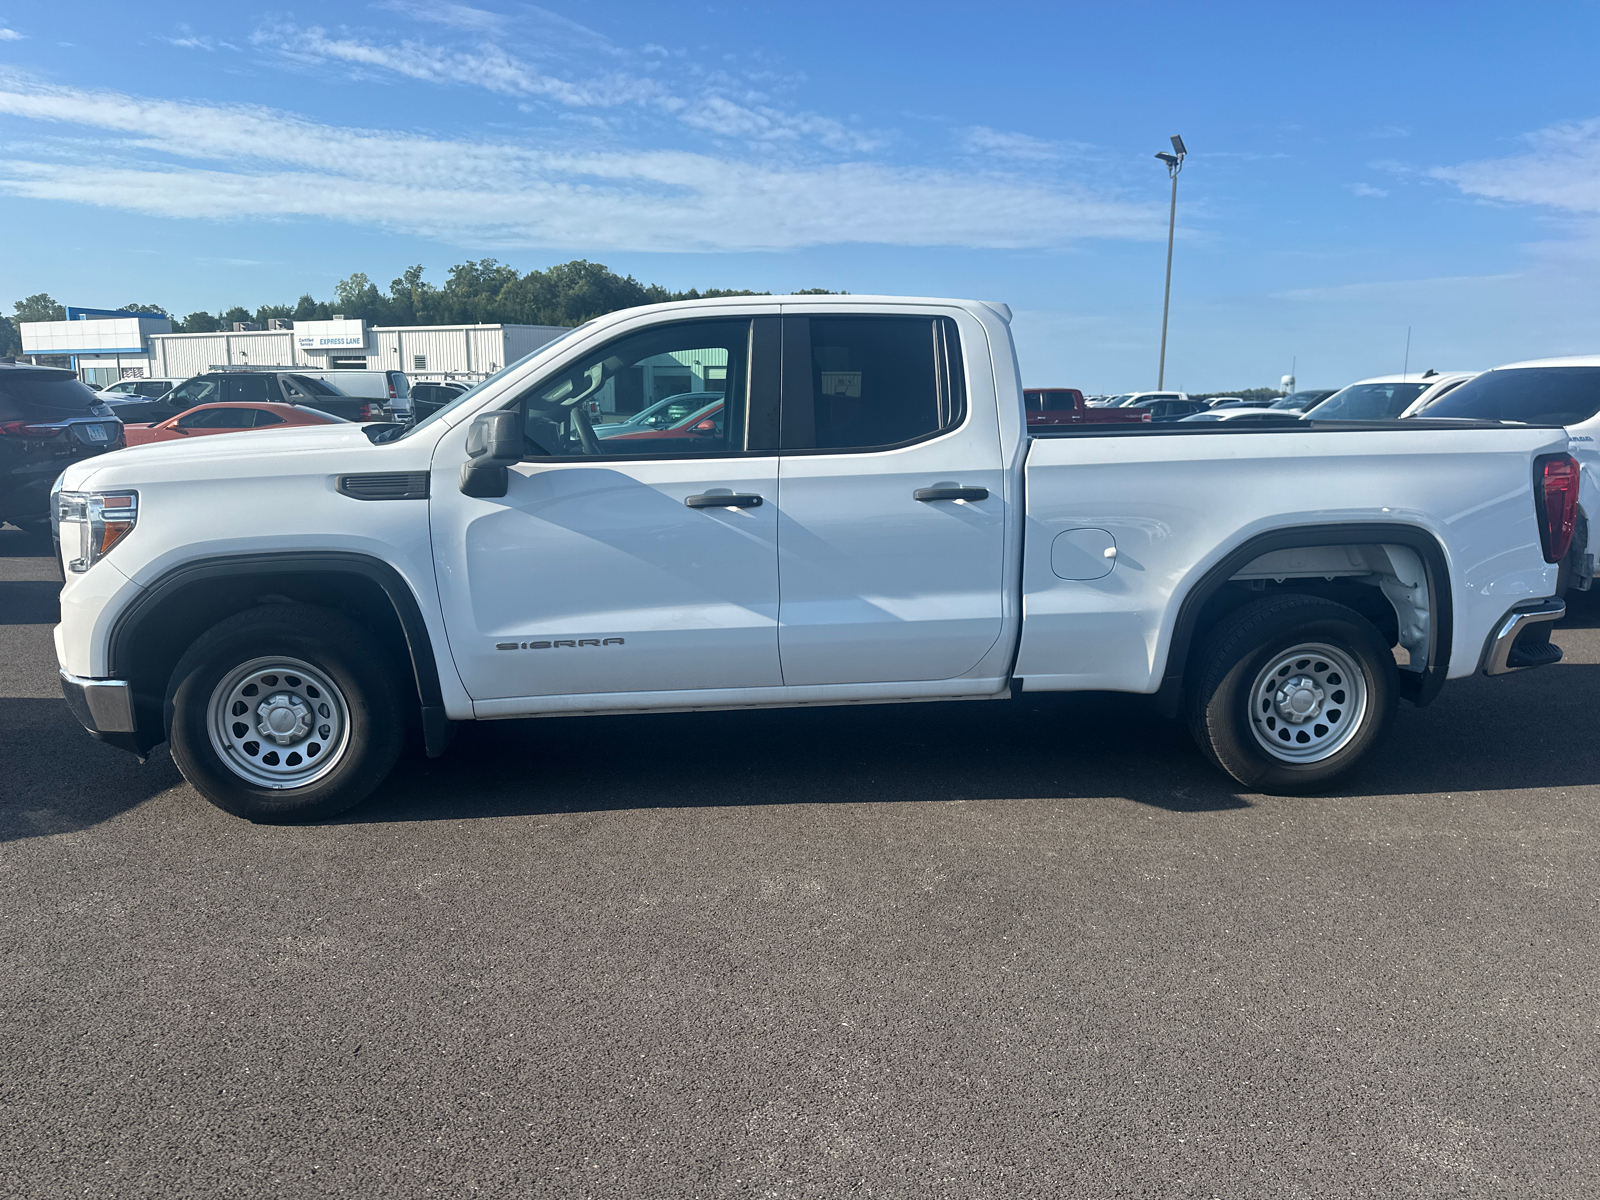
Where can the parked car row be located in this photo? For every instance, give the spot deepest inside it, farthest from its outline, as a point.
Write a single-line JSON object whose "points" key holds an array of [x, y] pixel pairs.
{"points": [[1380, 398], [49, 417], [1558, 391]]}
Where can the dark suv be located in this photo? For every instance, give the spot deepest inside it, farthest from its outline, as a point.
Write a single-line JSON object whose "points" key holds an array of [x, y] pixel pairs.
{"points": [[233, 387], [1163, 411], [48, 419]]}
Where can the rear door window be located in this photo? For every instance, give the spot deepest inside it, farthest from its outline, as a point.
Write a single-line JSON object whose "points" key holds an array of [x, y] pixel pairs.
{"points": [[206, 418], [314, 387], [244, 388], [869, 382], [1535, 395]]}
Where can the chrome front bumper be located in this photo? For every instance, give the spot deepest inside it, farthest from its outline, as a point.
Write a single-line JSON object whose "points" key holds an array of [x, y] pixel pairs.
{"points": [[101, 705], [1503, 655]]}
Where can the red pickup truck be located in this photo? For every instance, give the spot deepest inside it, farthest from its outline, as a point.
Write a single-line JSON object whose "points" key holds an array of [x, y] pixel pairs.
{"points": [[1065, 406]]}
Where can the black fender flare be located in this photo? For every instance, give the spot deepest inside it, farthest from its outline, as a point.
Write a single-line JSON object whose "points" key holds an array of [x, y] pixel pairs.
{"points": [[436, 726], [1419, 688]]}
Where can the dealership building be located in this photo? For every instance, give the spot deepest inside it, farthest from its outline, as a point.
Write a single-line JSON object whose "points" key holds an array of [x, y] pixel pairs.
{"points": [[104, 346]]}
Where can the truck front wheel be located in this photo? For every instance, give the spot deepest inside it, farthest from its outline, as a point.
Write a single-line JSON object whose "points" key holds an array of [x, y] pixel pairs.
{"points": [[1292, 692], [285, 713]]}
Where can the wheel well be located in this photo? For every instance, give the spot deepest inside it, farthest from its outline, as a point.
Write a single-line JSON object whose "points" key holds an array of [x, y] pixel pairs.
{"points": [[153, 635], [1394, 576], [1366, 599]]}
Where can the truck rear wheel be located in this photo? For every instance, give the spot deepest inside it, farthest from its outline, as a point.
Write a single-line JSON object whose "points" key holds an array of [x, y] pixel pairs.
{"points": [[1292, 692], [285, 713]]}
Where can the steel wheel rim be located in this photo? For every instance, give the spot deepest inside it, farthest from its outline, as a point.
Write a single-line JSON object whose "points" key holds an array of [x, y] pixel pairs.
{"points": [[278, 722], [1307, 702]]}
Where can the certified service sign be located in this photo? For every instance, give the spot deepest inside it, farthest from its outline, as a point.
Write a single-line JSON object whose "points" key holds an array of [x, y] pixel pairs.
{"points": [[324, 336]]}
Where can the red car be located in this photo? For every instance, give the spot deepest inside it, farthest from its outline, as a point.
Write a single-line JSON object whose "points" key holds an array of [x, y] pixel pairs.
{"points": [[228, 418], [705, 422], [1065, 406]]}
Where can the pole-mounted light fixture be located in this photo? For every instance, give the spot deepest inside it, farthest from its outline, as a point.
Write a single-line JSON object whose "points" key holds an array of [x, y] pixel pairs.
{"points": [[1174, 162]]}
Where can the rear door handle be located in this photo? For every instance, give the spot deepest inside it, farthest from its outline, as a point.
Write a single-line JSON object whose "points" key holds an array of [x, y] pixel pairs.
{"points": [[951, 493], [723, 500]]}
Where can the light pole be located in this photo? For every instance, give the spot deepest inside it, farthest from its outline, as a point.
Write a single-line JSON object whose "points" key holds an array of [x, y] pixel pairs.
{"points": [[1174, 163]]}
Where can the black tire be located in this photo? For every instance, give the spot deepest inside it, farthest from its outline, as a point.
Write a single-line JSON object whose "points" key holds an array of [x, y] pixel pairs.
{"points": [[345, 655], [1225, 715]]}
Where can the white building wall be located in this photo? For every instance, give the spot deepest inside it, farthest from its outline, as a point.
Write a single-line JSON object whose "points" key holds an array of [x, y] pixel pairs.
{"points": [[100, 335], [447, 350], [180, 355]]}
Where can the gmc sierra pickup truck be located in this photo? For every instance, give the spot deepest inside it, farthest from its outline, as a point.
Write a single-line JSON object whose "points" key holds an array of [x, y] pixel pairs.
{"points": [[870, 521]]}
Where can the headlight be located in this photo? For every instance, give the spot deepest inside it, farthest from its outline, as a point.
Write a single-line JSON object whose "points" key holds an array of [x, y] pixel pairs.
{"points": [[88, 524]]}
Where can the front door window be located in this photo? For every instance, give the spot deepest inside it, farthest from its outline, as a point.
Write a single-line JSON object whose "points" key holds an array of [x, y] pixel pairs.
{"points": [[676, 390]]}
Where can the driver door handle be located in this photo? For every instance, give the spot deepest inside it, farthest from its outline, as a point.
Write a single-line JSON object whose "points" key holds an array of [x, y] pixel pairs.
{"points": [[723, 500], [951, 493]]}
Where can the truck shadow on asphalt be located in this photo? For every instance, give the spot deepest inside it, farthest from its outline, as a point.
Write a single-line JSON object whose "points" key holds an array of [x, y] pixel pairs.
{"points": [[1481, 735], [1047, 748], [55, 778]]}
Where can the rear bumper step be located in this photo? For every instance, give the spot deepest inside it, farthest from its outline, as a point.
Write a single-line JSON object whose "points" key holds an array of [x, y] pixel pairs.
{"points": [[1522, 638]]}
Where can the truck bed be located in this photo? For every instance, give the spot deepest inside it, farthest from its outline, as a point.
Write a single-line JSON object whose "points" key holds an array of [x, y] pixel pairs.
{"points": [[1211, 489]]}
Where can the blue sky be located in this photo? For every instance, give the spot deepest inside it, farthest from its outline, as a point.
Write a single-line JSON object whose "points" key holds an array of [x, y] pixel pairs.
{"points": [[1355, 169]]}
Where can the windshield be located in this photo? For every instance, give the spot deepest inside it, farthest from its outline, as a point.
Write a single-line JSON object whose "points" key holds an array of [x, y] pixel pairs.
{"points": [[1534, 395], [1299, 400], [407, 431], [1369, 401]]}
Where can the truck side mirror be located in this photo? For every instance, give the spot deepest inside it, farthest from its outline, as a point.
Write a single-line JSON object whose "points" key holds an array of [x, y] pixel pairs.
{"points": [[494, 442]]}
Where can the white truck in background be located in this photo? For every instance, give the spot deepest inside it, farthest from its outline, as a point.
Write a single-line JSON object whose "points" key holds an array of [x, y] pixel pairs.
{"points": [[865, 518], [1545, 391]]}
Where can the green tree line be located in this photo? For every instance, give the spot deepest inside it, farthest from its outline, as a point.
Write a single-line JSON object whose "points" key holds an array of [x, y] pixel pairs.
{"points": [[485, 291]]}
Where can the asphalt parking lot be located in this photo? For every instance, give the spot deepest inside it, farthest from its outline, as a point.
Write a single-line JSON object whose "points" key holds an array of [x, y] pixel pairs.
{"points": [[966, 950]]}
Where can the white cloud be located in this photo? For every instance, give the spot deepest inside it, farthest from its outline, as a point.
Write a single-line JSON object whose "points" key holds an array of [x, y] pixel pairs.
{"points": [[9, 35], [187, 39], [722, 117], [718, 107], [1017, 147], [255, 162], [456, 16], [1366, 189], [486, 66], [1560, 170]]}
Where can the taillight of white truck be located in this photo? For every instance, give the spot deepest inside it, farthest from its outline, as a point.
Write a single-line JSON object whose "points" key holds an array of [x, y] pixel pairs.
{"points": [[1555, 490]]}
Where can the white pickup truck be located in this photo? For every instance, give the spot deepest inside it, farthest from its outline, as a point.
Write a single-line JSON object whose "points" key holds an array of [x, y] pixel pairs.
{"points": [[857, 514]]}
